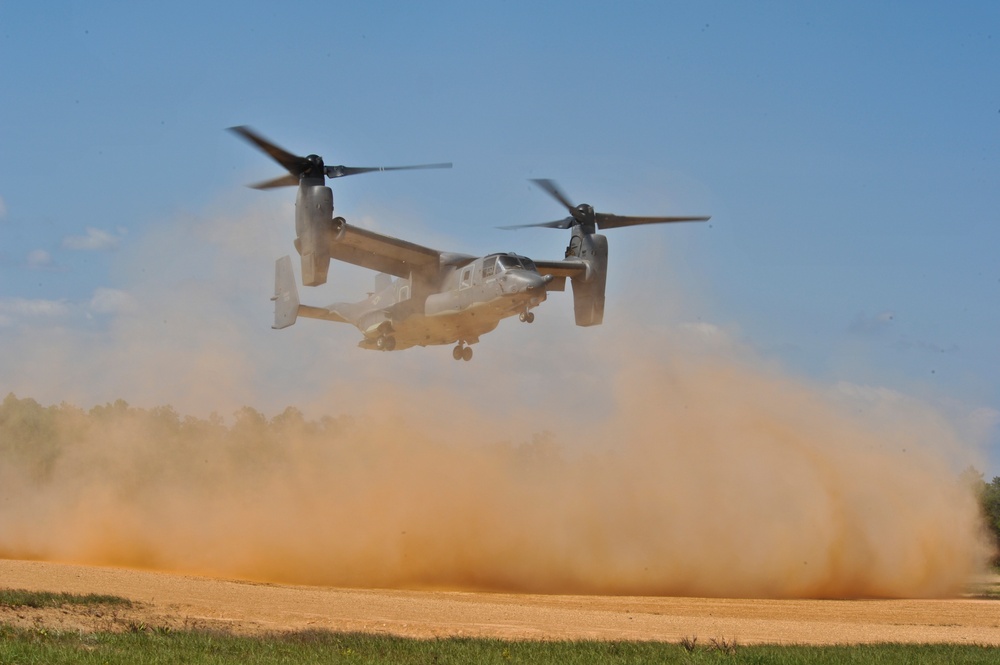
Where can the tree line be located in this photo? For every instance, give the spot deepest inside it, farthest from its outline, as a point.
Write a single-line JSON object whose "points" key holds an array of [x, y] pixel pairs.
{"points": [[33, 437], [988, 494]]}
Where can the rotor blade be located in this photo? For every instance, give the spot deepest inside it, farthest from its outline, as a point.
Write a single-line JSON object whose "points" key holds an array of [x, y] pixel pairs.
{"points": [[558, 224], [295, 164], [607, 221], [553, 190], [341, 171], [288, 180]]}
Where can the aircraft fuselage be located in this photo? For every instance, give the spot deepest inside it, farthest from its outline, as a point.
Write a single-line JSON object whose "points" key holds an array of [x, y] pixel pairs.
{"points": [[469, 301]]}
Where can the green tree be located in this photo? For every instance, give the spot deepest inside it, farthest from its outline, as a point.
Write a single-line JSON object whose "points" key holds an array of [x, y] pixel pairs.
{"points": [[29, 435], [990, 500], [988, 494]]}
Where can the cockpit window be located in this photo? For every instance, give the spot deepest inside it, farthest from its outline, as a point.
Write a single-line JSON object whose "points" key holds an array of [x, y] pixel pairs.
{"points": [[489, 266], [509, 262]]}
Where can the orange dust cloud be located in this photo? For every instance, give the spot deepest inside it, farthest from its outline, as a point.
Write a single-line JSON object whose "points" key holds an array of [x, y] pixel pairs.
{"points": [[704, 475]]}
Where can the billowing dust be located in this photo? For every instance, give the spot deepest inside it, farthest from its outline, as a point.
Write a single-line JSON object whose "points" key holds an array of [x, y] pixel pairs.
{"points": [[706, 476]]}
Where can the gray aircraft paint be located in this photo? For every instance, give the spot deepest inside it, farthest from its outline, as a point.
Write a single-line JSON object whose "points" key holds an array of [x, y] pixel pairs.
{"points": [[436, 297]]}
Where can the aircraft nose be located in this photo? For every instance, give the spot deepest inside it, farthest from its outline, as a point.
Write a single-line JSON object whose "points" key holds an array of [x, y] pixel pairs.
{"points": [[522, 281], [536, 281], [529, 281]]}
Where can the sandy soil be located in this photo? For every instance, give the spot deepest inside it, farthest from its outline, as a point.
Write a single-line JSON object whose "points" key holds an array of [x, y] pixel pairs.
{"points": [[175, 601]]}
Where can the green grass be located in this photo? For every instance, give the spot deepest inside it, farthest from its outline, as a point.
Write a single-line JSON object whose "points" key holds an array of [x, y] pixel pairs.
{"points": [[30, 646], [987, 588], [38, 599], [149, 645], [986, 593]]}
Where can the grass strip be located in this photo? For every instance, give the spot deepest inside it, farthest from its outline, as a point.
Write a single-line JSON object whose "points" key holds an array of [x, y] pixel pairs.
{"points": [[39, 599], [154, 646]]}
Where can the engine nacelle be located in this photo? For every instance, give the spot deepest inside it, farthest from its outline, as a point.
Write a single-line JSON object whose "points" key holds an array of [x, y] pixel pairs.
{"points": [[314, 226], [588, 291]]}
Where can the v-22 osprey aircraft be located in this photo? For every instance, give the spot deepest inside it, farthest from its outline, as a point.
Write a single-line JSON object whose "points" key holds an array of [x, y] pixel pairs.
{"points": [[436, 297]]}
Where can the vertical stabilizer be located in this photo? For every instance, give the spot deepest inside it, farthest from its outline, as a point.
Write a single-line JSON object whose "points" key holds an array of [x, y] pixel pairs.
{"points": [[286, 294]]}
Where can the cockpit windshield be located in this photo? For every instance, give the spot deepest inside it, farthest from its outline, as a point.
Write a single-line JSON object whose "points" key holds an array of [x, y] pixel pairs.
{"points": [[513, 261]]}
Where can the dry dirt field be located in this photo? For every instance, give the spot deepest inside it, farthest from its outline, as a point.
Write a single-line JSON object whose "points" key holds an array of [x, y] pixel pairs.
{"points": [[163, 599]]}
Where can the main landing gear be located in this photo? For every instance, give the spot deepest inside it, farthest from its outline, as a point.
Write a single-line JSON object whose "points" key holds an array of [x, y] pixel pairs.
{"points": [[462, 352], [385, 342], [527, 317]]}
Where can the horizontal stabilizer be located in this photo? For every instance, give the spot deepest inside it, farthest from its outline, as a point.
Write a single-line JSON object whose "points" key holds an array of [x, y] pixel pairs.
{"points": [[324, 313]]}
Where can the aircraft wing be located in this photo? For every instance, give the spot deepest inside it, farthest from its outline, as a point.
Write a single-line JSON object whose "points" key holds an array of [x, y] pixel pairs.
{"points": [[389, 255], [560, 270]]}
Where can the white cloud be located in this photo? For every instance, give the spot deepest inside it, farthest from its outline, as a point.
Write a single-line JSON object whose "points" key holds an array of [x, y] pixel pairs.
{"points": [[705, 337], [15, 309], [95, 239], [908, 344], [707, 332], [39, 258], [866, 324], [867, 394], [960, 429], [111, 301]]}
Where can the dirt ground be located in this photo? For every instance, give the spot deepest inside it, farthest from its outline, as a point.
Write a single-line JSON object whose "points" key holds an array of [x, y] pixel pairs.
{"points": [[182, 601]]}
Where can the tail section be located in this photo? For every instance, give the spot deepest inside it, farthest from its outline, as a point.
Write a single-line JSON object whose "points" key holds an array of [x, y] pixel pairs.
{"points": [[286, 294]]}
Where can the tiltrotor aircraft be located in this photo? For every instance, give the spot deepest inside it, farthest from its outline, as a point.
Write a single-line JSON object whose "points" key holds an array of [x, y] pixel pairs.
{"points": [[437, 297]]}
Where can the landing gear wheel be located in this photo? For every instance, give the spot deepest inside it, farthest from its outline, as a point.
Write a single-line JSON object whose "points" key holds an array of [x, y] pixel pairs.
{"points": [[467, 353], [530, 317], [456, 353], [385, 343]]}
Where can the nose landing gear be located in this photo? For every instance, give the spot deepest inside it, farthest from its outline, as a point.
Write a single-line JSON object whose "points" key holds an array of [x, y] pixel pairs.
{"points": [[527, 317]]}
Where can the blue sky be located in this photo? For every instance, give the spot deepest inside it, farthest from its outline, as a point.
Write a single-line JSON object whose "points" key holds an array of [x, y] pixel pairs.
{"points": [[849, 154]]}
